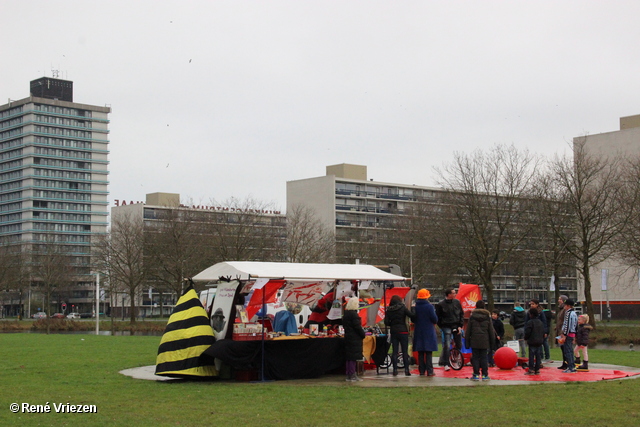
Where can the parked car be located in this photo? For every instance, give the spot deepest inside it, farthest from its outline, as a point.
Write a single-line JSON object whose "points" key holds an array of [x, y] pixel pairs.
{"points": [[39, 315], [86, 315], [73, 316], [57, 316]]}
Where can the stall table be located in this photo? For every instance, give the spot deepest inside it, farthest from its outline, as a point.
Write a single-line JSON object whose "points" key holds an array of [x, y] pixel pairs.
{"points": [[287, 359]]}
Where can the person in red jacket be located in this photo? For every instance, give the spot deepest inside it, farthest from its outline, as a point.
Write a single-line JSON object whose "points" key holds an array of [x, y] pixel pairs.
{"points": [[319, 313]]}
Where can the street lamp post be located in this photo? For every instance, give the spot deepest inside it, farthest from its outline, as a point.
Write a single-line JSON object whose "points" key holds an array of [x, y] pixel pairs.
{"points": [[98, 303], [411, 262]]}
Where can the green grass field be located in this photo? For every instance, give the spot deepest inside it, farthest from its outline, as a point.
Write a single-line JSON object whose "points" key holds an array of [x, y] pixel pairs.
{"points": [[83, 369]]}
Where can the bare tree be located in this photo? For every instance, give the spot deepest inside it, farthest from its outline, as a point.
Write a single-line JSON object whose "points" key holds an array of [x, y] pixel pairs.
{"points": [[120, 255], [554, 225], [13, 271], [176, 246], [52, 268], [244, 232], [417, 240], [308, 240], [627, 241], [485, 211], [592, 190]]}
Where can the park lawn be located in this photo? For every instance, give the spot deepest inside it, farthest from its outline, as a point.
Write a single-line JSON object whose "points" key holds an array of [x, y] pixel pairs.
{"points": [[83, 369]]}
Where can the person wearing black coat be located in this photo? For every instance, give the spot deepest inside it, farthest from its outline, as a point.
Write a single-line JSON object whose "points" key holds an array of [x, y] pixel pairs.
{"points": [[534, 334], [353, 336], [396, 320], [480, 337], [498, 328], [450, 321]]}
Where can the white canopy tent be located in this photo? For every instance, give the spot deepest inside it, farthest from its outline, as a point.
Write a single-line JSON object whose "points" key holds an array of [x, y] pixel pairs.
{"points": [[243, 270]]}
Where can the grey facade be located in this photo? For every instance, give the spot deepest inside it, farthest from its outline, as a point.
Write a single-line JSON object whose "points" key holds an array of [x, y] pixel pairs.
{"points": [[54, 176], [362, 212]]}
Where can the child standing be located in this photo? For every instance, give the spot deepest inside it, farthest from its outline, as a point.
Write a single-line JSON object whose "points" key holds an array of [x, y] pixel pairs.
{"points": [[534, 335], [582, 342], [498, 328], [480, 336]]}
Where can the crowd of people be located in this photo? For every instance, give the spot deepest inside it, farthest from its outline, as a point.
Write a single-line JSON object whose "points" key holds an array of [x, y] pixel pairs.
{"points": [[484, 333]]}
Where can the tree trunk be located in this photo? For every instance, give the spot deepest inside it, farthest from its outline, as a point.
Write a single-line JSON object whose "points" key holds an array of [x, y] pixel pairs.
{"points": [[556, 293], [586, 274], [133, 304], [489, 288], [111, 312]]}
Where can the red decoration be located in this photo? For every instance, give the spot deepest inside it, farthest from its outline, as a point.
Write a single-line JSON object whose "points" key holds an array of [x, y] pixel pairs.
{"points": [[270, 290], [400, 291], [505, 358], [468, 295]]}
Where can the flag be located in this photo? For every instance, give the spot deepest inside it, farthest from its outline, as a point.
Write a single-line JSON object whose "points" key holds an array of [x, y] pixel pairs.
{"points": [[187, 335], [363, 309], [269, 290], [401, 292], [468, 296]]}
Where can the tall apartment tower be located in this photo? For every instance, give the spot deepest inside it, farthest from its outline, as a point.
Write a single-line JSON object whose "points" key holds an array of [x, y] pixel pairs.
{"points": [[53, 174]]}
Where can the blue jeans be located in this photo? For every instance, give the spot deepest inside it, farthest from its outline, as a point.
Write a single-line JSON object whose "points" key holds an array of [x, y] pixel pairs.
{"points": [[535, 358], [567, 352], [447, 336]]}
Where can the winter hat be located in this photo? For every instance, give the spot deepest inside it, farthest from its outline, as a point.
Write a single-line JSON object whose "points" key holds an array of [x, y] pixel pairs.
{"points": [[569, 302], [564, 298], [424, 294]]}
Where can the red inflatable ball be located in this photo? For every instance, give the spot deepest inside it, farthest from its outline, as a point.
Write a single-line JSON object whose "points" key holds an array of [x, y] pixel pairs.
{"points": [[505, 358]]}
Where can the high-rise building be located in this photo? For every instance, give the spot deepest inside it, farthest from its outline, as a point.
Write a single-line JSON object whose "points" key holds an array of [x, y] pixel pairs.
{"points": [[53, 177]]}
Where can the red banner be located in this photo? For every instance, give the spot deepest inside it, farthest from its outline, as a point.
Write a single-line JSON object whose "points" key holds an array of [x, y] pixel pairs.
{"points": [[468, 296], [270, 291], [401, 292], [363, 310]]}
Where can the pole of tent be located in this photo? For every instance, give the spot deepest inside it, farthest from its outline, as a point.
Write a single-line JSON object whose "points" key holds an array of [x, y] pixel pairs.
{"points": [[264, 312]]}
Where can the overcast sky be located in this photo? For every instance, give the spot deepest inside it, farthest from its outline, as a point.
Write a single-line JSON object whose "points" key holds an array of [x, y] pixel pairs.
{"points": [[214, 99]]}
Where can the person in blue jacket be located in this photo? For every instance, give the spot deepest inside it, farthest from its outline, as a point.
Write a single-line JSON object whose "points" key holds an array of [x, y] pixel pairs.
{"points": [[425, 340]]}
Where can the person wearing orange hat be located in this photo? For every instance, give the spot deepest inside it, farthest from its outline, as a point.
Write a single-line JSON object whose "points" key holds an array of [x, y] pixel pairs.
{"points": [[425, 340]]}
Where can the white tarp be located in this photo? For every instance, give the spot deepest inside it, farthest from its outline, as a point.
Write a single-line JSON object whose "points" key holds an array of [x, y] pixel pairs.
{"points": [[241, 270]]}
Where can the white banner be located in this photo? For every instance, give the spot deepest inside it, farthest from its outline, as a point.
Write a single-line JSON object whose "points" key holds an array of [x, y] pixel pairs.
{"points": [[552, 283], [603, 283], [221, 310], [303, 293]]}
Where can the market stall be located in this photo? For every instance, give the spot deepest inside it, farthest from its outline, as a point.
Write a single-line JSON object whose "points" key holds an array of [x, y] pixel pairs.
{"points": [[303, 355]]}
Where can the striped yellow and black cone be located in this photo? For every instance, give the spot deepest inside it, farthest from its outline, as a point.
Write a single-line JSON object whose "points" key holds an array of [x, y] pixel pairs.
{"points": [[187, 335]]}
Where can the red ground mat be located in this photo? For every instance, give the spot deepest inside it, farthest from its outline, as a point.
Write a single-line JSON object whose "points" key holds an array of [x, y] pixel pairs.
{"points": [[550, 373]]}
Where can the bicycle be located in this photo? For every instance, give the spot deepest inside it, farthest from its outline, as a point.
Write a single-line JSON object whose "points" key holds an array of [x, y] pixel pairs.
{"points": [[456, 357]]}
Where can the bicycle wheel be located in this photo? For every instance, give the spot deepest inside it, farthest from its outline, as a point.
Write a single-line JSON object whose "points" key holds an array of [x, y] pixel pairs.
{"points": [[387, 362], [400, 360], [456, 359]]}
